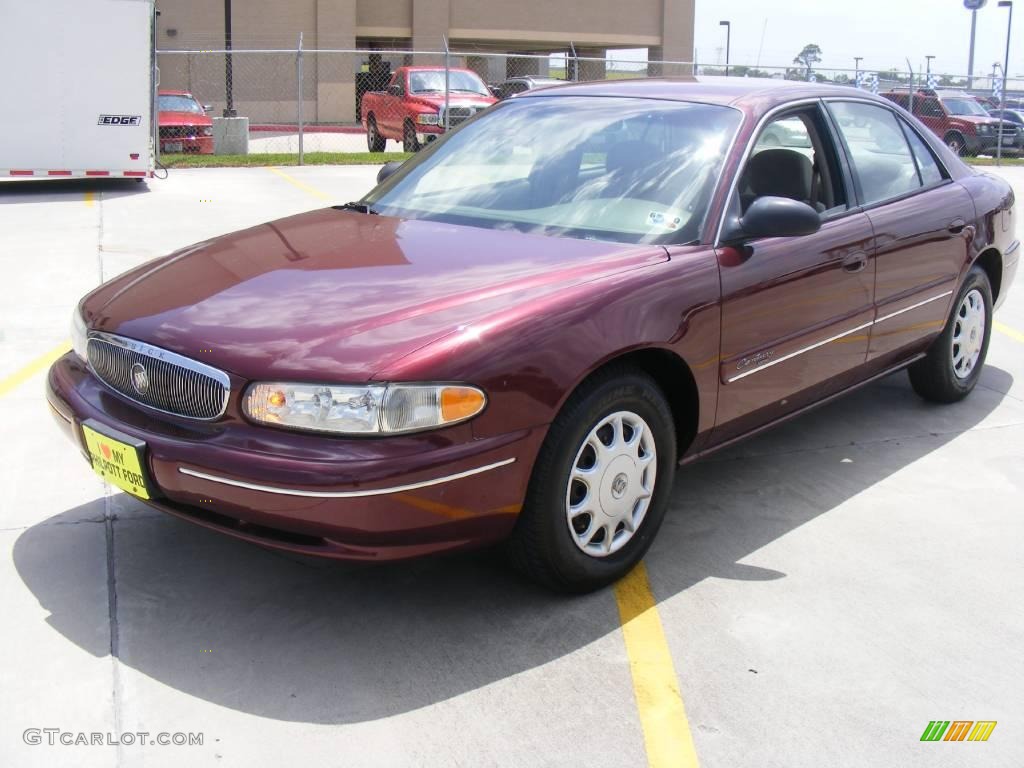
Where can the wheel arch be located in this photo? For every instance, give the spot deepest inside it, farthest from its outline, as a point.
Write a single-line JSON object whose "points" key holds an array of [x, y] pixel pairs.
{"points": [[673, 376], [991, 261]]}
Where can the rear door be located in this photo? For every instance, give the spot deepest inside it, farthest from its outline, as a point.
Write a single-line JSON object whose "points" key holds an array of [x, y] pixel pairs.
{"points": [[920, 219], [795, 310]]}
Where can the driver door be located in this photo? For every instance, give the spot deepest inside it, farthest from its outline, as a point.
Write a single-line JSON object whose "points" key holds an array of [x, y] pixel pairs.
{"points": [[796, 311]]}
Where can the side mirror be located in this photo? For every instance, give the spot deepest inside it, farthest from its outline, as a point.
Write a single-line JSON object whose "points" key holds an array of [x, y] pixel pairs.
{"points": [[394, 90], [387, 169], [774, 217]]}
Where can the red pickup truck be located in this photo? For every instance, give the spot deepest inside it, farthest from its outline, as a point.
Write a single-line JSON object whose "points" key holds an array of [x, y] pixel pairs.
{"points": [[411, 109]]}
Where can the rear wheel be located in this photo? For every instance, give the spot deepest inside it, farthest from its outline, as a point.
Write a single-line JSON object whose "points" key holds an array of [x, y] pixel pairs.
{"points": [[374, 141], [600, 485], [954, 362], [409, 141]]}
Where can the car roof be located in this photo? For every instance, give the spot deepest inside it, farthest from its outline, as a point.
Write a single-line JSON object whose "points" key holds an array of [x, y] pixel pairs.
{"points": [[726, 91], [173, 93]]}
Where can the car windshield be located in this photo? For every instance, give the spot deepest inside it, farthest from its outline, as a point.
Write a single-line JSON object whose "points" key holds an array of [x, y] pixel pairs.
{"points": [[179, 104], [620, 169], [425, 81], [963, 106]]}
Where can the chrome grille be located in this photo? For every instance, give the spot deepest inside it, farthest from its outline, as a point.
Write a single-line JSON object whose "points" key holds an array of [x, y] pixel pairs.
{"points": [[457, 115], [170, 382], [1007, 129]]}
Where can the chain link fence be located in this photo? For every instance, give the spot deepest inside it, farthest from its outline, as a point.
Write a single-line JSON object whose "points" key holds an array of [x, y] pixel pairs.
{"points": [[299, 101]]}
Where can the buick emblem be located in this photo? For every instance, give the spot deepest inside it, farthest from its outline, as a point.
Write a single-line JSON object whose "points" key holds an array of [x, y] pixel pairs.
{"points": [[619, 485], [140, 379]]}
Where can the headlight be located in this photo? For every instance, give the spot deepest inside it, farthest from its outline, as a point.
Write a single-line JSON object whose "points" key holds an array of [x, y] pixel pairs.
{"points": [[79, 335], [206, 130], [428, 118], [362, 410]]}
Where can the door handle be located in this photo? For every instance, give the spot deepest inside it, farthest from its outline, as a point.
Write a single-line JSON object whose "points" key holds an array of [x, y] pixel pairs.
{"points": [[956, 226], [855, 263]]}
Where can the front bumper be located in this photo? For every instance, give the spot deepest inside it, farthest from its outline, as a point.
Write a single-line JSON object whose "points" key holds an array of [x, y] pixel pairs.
{"points": [[357, 499], [200, 145]]}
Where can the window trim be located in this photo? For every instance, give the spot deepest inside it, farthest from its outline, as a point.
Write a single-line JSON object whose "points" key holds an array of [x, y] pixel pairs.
{"points": [[856, 177]]}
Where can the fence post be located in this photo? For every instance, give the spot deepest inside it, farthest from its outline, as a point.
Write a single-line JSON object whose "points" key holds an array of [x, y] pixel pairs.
{"points": [[447, 68], [298, 72], [911, 70], [575, 62]]}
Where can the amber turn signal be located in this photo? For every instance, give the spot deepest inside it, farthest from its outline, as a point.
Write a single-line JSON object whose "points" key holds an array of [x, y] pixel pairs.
{"points": [[458, 403]]}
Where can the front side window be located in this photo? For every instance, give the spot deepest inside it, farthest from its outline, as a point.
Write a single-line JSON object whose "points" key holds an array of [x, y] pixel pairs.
{"points": [[794, 157], [878, 150], [432, 81], [605, 168]]}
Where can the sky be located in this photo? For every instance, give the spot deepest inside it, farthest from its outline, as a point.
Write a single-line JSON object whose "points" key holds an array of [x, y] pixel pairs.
{"points": [[883, 32]]}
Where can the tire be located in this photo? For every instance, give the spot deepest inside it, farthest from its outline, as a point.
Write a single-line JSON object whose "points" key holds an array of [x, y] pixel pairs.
{"points": [[374, 141], [956, 144], [550, 549], [409, 141], [947, 374]]}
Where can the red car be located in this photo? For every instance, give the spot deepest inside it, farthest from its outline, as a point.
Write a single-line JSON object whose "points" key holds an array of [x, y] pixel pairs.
{"points": [[184, 124], [960, 121], [518, 335], [412, 108]]}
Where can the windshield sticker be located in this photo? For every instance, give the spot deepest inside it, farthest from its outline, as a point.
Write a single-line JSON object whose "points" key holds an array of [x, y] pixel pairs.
{"points": [[656, 219]]}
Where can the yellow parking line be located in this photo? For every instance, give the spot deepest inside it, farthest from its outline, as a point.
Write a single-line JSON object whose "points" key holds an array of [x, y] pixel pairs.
{"points": [[667, 735], [19, 377], [319, 194], [90, 198], [1013, 333]]}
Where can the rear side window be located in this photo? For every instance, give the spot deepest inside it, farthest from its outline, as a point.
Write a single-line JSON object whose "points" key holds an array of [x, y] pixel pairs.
{"points": [[878, 150], [931, 173]]}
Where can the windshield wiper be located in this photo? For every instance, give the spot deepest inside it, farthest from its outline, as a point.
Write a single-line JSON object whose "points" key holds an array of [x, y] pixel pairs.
{"points": [[358, 207]]}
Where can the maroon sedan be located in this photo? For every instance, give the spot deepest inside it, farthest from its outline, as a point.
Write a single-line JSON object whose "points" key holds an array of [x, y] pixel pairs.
{"points": [[520, 333]]}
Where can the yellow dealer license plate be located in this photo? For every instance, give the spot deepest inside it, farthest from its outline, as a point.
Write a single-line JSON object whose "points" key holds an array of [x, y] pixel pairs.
{"points": [[119, 460]]}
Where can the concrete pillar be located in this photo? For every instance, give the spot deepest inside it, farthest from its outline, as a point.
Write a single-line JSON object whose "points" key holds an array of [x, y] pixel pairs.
{"points": [[430, 22], [592, 70], [677, 23], [334, 73]]}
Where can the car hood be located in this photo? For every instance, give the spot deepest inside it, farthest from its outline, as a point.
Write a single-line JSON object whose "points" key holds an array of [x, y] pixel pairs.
{"points": [[455, 99], [183, 118], [978, 119], [336, 295]]}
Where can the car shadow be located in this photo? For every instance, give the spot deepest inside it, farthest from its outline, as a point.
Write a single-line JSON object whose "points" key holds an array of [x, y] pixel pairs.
{"points": [[62, 190], [316, 641]]}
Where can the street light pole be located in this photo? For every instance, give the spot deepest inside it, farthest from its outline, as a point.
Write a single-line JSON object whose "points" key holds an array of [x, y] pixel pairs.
{"points": [[728, 41], [1002, 91]]}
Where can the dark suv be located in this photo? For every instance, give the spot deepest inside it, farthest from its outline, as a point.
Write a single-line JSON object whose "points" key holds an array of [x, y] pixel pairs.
{"points": [[960, 121]]}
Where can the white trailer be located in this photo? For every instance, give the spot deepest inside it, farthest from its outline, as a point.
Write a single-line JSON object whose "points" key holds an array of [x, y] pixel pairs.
{"points": [[79, 88]]}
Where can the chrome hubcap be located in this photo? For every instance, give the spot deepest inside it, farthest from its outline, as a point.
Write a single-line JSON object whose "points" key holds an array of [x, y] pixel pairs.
{"points": [[968, 334], [611, 484]]}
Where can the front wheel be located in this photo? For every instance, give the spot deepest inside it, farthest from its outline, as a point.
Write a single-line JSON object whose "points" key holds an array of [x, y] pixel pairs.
{"points": [[374, 141], [409, 141], [953, 365], [956, 144], [600, 485]]}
